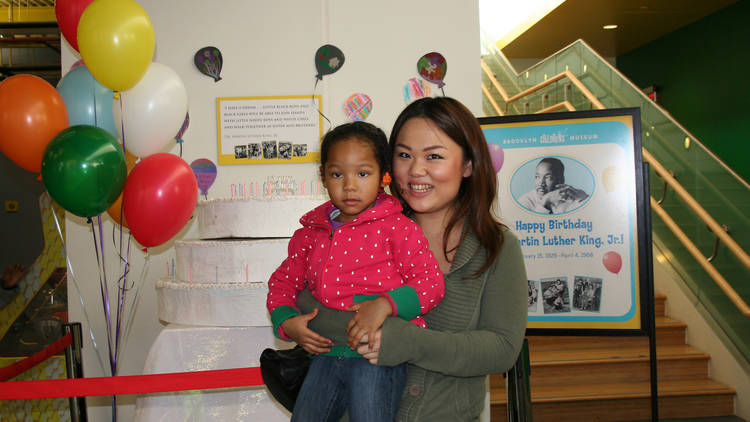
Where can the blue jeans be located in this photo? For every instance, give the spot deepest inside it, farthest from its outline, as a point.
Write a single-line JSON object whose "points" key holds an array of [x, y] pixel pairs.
{"points": [[333, 385]]}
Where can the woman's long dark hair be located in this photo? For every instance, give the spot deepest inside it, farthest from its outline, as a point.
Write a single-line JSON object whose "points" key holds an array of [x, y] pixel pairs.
{"points": [[478, 191]]}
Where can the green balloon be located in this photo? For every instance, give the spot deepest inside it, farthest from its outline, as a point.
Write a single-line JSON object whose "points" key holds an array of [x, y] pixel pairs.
{"points": [[84, 170]]}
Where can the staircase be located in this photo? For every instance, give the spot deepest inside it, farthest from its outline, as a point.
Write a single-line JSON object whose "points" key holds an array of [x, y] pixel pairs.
{"points": [[607, 378]]}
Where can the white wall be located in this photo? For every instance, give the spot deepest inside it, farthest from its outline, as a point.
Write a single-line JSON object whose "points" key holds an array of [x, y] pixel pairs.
{"points": [[268, 49]]}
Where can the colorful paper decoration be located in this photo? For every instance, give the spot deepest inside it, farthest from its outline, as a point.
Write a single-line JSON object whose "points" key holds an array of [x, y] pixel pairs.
{"points": [[432, 67], [208, 60], [205, 174], [328, 59], [358, 106], [416, 89]]}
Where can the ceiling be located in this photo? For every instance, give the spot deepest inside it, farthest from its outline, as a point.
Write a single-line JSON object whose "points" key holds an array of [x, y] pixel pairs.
{"points": [[639, 22]]}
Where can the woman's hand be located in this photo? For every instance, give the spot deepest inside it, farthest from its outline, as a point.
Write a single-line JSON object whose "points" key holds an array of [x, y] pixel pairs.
{"points": [[369, 317], [371, 350], [296, 329]]}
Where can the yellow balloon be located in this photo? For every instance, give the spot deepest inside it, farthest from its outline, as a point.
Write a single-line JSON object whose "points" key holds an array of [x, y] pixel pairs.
{"points": [[116, 41], [611, 178]]}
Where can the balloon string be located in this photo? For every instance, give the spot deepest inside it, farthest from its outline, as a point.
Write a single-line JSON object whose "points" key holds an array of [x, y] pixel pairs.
{"points": [[441, 90], [105, 298], [78, 290], [93, 94], [138, 285], [317, 108]]}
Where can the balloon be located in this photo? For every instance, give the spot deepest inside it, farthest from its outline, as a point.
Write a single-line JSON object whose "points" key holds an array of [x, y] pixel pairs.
{"points": [[116, 40], [115, 210], [208, 60], [205, 174], [612, 179], [432, 67], [159, 197], [84, 170], [498, 156], [358, 106], [416, 89], [328, 59], [32, 112], [68, 13], [88, 102], [612, 262], [152, 111]]}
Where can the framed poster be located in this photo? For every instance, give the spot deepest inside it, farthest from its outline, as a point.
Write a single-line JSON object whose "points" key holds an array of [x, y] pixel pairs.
{"points": [[269, 130], [571, 188]]}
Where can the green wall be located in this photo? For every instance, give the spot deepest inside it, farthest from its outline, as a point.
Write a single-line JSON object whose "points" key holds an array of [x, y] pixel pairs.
{"points": [[701, 72]]}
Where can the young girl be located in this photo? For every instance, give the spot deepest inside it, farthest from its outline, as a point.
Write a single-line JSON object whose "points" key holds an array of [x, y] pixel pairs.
{"points": [[356, 252]]}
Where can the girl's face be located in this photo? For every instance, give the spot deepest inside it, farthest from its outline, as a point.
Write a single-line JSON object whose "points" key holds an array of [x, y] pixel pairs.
{"points": [[352, 177], [428, 167]]}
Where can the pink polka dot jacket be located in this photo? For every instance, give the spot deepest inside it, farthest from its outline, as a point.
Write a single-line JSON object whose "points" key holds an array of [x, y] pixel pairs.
{"points": [[380, 253]]}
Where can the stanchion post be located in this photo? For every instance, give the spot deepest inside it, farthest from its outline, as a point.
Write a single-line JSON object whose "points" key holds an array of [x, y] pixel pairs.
{"points": [[74, 369], [518, 387]]}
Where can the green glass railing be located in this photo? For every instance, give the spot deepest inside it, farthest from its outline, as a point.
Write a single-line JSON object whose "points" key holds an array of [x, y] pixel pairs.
{"points": [[718, 189]]}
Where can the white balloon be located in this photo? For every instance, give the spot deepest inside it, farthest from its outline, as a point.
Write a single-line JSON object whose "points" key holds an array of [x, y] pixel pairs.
{"points": [[152, 111]]}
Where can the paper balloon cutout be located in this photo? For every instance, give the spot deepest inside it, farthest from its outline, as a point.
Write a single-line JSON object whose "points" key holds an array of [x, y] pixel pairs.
{"points": [[612, 262], [432, 67], [205, 174], [416, 89], [78, 63], [612, 178], [498, 156], [358, 106], [208, 60], [328, 59]]}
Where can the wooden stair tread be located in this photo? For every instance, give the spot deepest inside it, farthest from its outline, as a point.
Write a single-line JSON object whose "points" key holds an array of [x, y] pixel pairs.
{"points": [[583, 392], [584, 356]]}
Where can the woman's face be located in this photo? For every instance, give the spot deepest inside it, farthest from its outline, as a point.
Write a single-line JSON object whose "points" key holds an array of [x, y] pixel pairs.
{"points": [[428, 167]]}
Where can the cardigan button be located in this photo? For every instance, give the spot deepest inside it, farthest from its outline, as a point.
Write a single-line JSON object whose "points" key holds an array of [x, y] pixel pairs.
{"points": [[414, 390]]}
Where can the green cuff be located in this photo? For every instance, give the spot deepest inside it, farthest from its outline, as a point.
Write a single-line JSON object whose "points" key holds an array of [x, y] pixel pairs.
{"points": [[407, 302], [279, 315]]}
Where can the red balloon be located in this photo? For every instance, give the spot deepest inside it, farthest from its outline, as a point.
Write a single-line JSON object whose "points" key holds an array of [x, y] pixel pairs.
{"points": [[32, 112], [612, 262], [159, 197], [68, 14]]}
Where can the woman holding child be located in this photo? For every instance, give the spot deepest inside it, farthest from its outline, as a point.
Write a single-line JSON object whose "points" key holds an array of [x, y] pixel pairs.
{"points": [[444, 177]]}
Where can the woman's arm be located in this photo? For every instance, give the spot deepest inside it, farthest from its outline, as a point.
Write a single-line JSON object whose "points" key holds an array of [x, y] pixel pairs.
{"points": [[329, 321], [492, 348]]}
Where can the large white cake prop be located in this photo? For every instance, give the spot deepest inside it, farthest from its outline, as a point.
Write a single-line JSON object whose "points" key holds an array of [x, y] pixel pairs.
{"points": [[221, 281]]}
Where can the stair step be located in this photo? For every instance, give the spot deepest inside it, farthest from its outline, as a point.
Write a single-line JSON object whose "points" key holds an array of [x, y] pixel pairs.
{"points": [[622, 401], [575, 366], [668, 332]]}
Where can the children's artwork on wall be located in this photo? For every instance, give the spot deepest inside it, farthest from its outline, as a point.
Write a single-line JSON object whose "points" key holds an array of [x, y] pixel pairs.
{"points": [[205, 174], [432, 67], [358, 106], [178, 137], [416, 89], [208, 60], [328, 60]]}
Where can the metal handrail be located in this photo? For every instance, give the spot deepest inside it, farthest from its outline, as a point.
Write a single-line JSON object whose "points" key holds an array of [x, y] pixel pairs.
{"points": [[714, 226], [698, 255]]}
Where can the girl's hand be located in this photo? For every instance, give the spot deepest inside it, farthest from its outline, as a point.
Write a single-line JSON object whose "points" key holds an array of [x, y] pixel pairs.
{"points": [[369, 316], [296, 329], [368, 353]]}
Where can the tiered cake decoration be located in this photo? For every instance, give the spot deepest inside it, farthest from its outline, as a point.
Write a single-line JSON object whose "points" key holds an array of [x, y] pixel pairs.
{"points": [[221, 279]]}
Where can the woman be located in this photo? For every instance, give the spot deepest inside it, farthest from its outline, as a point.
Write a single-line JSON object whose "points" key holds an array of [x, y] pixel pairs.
{"points": [[444, 176]]}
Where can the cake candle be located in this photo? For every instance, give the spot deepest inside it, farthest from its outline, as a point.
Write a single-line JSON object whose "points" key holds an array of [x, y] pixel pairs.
{"points": [[217, 274], [191, 274], [247, 274]]}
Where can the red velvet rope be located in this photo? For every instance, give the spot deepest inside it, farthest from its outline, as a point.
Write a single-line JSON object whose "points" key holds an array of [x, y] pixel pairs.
{"points": [[131, 384], [21, 366]]}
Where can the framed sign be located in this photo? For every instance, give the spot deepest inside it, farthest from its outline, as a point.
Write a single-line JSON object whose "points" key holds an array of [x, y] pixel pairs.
{"points": [[269, 130], [571, 188]]}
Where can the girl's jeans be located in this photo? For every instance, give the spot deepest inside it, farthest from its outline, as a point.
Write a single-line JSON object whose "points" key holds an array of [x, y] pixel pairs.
{"points": [[371, 393]]}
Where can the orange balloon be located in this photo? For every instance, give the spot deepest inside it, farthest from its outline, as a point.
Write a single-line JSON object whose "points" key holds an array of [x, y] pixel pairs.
{"points": [[32, 112], [115, 210]]}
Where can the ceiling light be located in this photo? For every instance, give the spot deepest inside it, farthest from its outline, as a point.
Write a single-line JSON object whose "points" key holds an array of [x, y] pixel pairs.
{"points": [[613, 26]]}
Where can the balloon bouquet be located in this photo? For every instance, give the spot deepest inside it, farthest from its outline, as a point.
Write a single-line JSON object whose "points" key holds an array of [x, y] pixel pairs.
{"points": [[71, 134]]}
